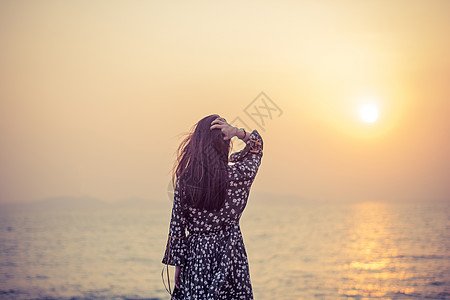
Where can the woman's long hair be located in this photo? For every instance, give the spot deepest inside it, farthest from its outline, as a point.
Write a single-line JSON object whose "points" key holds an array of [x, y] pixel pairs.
{"points": [[201, 166]]}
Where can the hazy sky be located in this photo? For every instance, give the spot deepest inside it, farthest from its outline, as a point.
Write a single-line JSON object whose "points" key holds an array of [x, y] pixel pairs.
{"points": [[94, 94]]}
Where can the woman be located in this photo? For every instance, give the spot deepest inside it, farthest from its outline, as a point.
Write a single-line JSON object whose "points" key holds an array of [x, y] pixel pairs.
{"points": [[209, 198]]}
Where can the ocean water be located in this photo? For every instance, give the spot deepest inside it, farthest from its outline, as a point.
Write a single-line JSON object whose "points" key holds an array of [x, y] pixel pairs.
{"points": [[306, 250]]}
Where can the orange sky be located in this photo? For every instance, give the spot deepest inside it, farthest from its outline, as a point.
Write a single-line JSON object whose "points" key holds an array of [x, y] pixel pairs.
{"points": [[94, 94]]}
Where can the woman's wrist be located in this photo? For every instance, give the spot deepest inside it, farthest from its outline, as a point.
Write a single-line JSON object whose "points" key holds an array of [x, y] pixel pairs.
{"points": [[236, 132], [240, 133]]}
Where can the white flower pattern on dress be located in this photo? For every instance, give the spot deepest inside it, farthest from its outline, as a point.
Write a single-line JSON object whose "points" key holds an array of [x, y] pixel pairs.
{"points": [[212, 255]]}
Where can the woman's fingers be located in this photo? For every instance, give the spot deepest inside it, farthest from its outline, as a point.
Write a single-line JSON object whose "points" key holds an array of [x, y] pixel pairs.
{"points": [[221, 123], [218, 121], [220, 126]]}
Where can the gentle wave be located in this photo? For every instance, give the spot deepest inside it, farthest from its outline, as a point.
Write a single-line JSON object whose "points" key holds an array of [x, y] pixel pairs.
{"points": [[323, 251]]}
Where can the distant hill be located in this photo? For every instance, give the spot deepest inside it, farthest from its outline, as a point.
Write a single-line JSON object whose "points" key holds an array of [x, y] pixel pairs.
{"points": [[58, 202], [133, 202]]}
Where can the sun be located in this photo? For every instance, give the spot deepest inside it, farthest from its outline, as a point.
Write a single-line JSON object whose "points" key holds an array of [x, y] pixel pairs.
{"points": [[369, 112]]}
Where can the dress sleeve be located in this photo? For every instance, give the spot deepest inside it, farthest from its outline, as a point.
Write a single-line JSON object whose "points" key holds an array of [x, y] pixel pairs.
{"points": [[176, 246], [247, 161]]}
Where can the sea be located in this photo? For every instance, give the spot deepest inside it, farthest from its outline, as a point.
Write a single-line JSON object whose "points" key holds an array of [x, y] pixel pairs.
{"points": [[296, 249]]}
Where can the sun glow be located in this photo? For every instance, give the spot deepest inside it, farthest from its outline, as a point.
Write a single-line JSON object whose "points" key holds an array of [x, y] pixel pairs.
{"points": [[369, 112]]}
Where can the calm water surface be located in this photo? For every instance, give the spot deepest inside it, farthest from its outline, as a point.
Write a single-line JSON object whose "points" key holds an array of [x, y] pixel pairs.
{"points": [[304, 251]]}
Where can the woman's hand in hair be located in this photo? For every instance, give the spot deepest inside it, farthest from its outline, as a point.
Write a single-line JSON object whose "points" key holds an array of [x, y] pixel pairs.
{"points": [[227, 130]]}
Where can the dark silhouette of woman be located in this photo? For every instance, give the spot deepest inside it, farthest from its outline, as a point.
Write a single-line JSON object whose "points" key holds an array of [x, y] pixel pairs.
{"points": [[211, 189]]}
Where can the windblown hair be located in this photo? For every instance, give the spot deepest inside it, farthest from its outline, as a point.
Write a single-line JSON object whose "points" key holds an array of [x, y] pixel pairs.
{"points": [[201, 166]]}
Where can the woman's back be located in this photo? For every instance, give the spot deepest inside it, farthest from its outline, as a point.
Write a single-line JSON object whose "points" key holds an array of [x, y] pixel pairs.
{"points": [[212, 255], [241, 172]]}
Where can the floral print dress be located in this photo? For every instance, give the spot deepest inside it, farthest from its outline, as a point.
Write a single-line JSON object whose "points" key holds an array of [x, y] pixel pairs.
{"points": [[212, 255]]}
